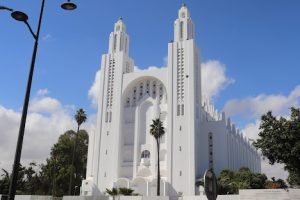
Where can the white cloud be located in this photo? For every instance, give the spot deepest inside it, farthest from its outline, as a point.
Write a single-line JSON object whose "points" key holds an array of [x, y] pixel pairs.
{"points": [[95, 89], [214, 78], [251, 108], [256, 106], [276, 170], [251, 130], [45, 104], [165, 61], [47, 119], [42, 92], [151, 67]]}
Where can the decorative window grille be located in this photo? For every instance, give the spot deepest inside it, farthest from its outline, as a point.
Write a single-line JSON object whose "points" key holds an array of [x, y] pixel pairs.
{"points": [[161, 92], [128, 102], [147, 87], [141, 90], [180, 81], [210, 151], [145, 154], [134, 96], [110, 90], [154, 89]]}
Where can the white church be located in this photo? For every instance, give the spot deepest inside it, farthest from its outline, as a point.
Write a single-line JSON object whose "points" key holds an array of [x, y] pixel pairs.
{"points": [[122, 153]]}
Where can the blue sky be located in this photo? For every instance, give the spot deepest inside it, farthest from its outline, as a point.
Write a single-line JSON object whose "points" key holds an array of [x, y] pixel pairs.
{"points": [[257, 42]]}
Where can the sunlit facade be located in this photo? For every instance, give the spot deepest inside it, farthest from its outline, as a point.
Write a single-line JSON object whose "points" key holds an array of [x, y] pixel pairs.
{"points": [[122, 153]]}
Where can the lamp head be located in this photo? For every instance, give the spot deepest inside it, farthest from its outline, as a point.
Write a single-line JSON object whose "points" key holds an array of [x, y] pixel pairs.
{"points": [[19, 16], [68, 6]]}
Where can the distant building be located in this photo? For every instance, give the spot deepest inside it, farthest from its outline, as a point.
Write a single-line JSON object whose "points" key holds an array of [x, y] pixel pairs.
{"points": [[122, 153]]}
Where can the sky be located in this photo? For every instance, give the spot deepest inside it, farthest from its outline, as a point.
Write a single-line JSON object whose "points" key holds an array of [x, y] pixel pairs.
{"points": [[250, 54]]}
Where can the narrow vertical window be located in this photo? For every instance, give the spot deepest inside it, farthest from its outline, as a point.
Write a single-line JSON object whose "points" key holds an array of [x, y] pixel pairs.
{"points": [[178, 110], [181, 30], [154, 89], [147, 87], [110, 116], [106, 117], [126, 45], [121, 43], [115, 41], [141, 90], [182, 109]]}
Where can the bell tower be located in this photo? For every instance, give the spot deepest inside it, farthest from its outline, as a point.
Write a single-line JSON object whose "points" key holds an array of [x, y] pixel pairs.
{"points": [[105, 164], [184, 103]]}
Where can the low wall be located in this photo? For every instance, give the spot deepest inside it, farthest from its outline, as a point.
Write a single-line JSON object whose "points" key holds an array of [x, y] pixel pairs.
{"points": [[86, 198], [116, 198], [270, 194], [220, 197], [32, 197], [273, 194], [142, 198]]}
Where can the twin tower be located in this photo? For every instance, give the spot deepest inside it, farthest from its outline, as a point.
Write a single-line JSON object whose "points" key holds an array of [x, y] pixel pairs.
{"points": [[122, 153]]}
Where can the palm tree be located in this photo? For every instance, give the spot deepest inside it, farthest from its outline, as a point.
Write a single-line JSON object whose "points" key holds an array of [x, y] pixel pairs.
{"points": [[80, 117], [157, 131], [126, 191], [113, 192]]}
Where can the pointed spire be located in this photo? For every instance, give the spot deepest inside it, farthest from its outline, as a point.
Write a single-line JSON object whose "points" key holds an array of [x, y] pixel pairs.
{"points": [[183, 12], [118, 40], [120, 25], [184, 27]]}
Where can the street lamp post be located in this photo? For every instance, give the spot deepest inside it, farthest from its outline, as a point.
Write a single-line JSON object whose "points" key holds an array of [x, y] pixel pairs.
{"points": [[20, 16]]}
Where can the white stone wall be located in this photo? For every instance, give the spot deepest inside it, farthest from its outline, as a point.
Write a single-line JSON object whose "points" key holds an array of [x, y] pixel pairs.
{"points": [[33, 197]]}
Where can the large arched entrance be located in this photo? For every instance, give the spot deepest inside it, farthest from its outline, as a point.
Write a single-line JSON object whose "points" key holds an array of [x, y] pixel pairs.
{"points": [[143, 100]]}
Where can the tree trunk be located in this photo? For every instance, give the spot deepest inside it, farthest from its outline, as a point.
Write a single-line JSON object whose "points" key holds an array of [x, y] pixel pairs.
{"points": [[158, 169]]}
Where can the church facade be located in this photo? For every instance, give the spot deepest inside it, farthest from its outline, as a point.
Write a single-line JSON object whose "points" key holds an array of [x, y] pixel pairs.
{"points": [[122, 153]]}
